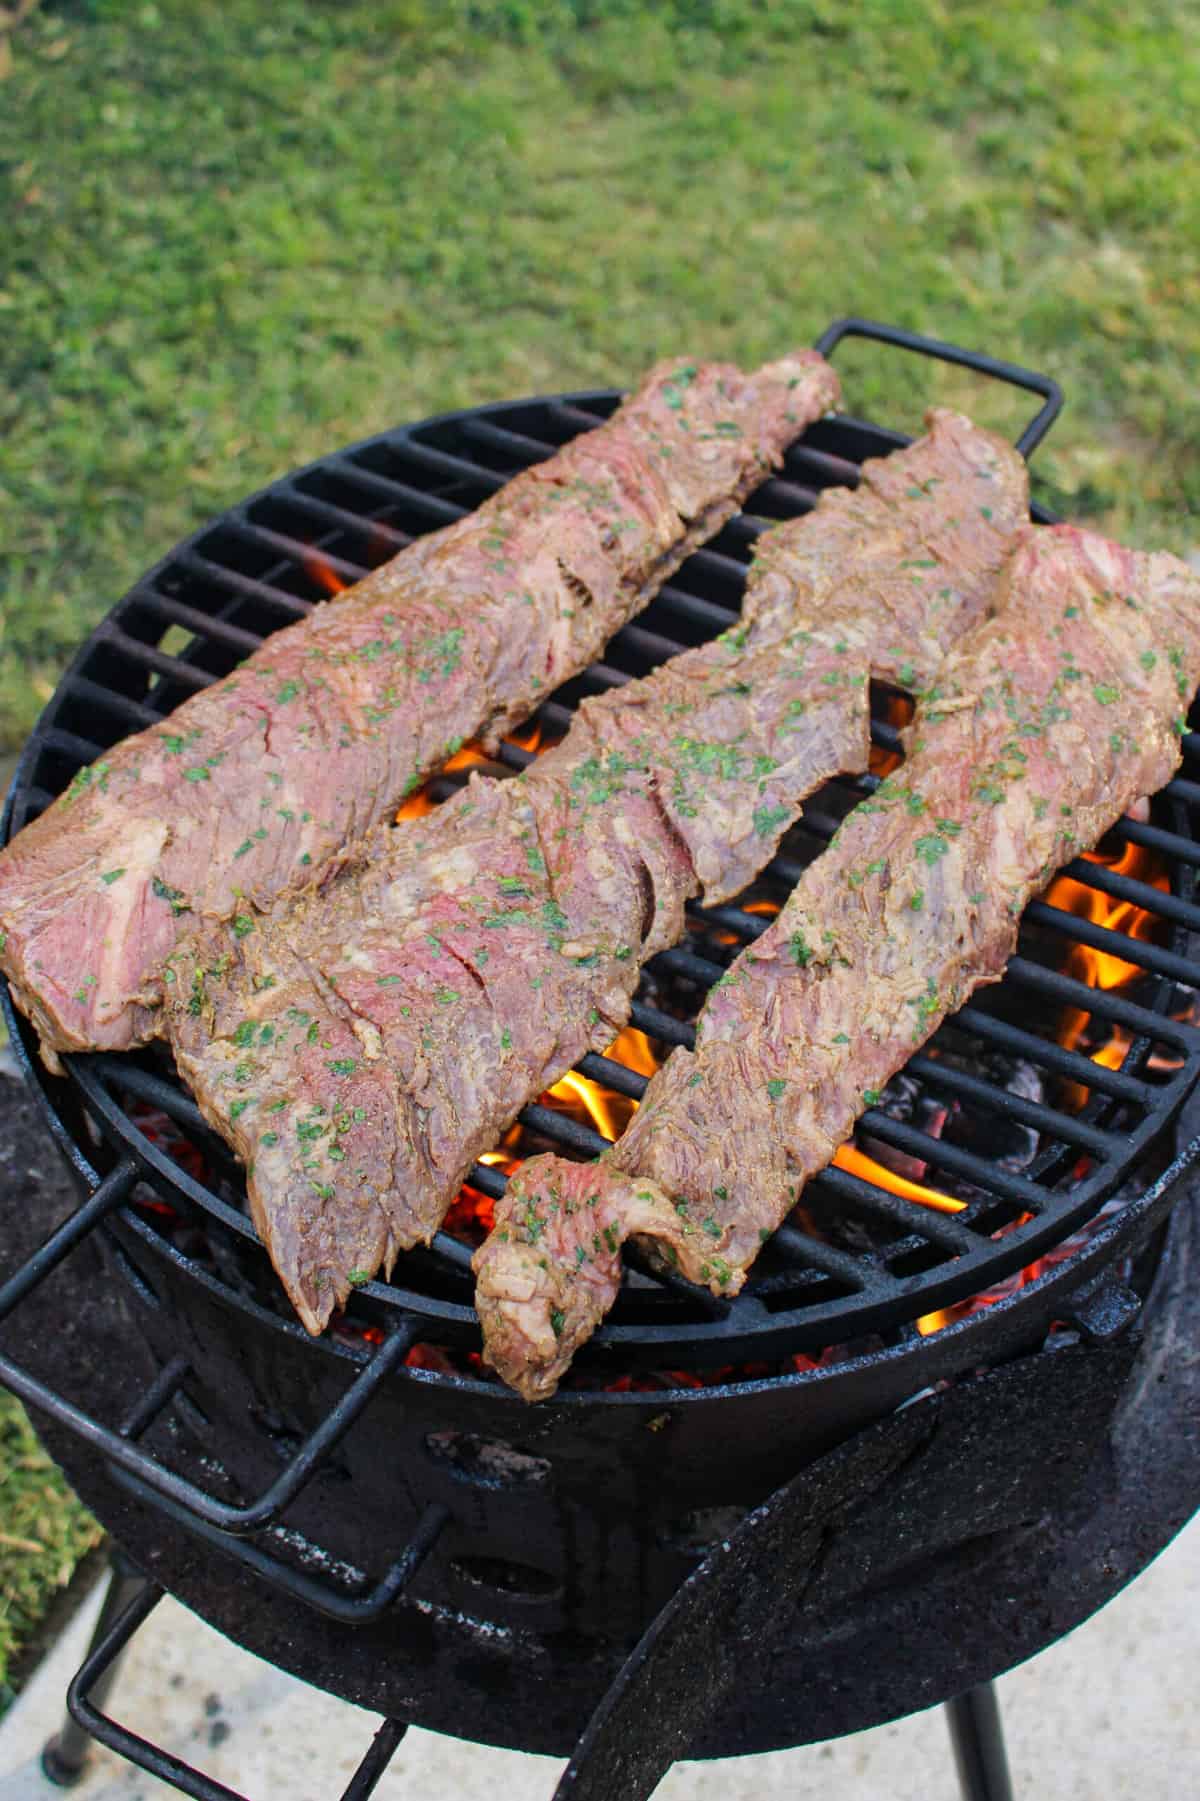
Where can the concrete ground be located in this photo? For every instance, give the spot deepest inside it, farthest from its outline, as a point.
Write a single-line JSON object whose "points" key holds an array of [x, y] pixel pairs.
{"points": [[1109, 1714]]}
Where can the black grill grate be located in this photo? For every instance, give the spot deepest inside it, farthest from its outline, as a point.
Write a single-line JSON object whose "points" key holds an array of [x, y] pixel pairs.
{"points": [[268, 561]]}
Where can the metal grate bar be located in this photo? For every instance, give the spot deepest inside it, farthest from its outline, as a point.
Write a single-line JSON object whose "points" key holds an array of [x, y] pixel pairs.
{"points": [[686, 963], [575, 418], [945, 1231], [734, 919], [835, 471], [565, 1130], [1184, 790], [70, 744], [1102, 1003], [1152, 837], [188, 675], [487, 1180], [1067, 1126], [29, 803], [1145, 956], [790, 497], [443, 463], [855, 1274], [657, 1024], [518, 445], [452, 1249], [1123, 887], [940, 1154], [366, 525], [388, 488], [220, 576], [886, 736], [697, 611], [300, 553], [651, 645], [123, 1073], [613, 1075], [1051, 1056], [706, 558], [745, 531], [122, 706], [514, 756], [204, 625]]}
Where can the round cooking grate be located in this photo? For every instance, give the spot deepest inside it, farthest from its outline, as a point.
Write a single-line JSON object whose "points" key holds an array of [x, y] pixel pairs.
{"points": [[1032, 1135]]}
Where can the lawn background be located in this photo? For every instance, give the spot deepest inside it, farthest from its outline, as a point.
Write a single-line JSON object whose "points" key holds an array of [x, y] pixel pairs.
{"points": [[237, 235]]}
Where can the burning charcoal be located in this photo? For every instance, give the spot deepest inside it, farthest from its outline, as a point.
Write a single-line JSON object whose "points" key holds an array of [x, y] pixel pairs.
{"points": [[906, 1099], [1008, 1142]]}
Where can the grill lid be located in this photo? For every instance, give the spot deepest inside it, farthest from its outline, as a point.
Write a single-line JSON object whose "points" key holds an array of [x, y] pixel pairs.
{"points": [[865, 1260]]}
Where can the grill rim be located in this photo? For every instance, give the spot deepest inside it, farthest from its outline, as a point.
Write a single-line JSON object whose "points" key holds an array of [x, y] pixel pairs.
{"points": [[1021, 1245]]}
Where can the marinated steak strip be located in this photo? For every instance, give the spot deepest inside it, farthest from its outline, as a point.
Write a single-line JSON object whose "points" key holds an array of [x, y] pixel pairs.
{"points": [[1043, 728], [361, 1049], [255, 784]]}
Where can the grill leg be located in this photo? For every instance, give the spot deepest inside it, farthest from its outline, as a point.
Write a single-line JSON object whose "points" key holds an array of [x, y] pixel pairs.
{"points": [[65, 1756], [978, 1740]]}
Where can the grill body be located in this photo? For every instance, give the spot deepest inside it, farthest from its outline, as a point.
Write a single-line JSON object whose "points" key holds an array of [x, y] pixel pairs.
{"points": [[286, 1488], [949, 1541]]}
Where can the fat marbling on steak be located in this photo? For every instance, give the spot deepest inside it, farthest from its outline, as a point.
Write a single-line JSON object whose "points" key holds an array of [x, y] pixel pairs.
{"points": [[1041, 730], [362, 1048], [252, 786]]}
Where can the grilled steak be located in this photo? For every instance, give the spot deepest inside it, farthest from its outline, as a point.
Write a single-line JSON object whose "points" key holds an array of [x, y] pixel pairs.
{"points": [[255, 784], [361, 1049], [1042, 729]]}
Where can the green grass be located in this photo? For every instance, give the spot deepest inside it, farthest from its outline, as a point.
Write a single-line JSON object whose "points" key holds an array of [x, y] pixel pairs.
{"points": [[239, 235], [44, 1531]]}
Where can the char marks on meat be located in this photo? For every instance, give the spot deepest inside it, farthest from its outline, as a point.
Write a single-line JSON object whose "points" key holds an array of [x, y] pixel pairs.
{"points": [[362, 1047], [257, 783], [1040, 731]]}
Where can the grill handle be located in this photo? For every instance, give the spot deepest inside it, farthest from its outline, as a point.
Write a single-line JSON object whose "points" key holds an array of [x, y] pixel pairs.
{"points": [[975, 360]]}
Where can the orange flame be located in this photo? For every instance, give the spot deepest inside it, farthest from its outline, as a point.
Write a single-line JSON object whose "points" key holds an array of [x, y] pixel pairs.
{"points": [[529, 737], [592, 1103], [468, 756], [323, 573], [1100, 969], [898, 710], [857, 1163], [421, 803]]}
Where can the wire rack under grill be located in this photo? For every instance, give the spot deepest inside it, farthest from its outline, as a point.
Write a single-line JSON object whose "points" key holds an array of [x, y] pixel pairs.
{"points": [[861, 1259]]}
